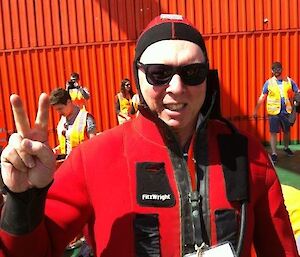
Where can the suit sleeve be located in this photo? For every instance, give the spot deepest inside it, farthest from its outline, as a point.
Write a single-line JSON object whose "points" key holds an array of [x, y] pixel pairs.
{"points": [[67, 210]]}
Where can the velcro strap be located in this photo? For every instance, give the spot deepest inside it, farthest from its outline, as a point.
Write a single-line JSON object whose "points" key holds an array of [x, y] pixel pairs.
{"points": [[234, 159]]}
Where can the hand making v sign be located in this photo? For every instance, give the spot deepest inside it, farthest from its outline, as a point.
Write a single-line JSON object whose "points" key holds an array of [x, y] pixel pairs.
{"points": [[28, 161]]}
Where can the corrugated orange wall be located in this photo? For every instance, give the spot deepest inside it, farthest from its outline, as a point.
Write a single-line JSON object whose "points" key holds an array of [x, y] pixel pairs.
{"points": [[43, 41]]}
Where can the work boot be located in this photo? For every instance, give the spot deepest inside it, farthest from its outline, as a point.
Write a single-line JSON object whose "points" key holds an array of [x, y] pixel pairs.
{"points": [[274, 158], [288, 151]]}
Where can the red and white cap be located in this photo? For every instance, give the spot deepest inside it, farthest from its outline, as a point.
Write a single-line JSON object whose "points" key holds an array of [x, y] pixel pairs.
{"points": [[169, 27]]}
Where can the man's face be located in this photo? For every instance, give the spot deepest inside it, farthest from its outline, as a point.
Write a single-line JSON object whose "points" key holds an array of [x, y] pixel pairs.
{"points": [[128, 86], [74, 79], [277, 71], [63, 109], [176, 103]]}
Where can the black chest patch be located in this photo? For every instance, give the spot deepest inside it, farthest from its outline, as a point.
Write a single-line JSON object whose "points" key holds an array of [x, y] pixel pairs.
{"points": [[153, 188]]}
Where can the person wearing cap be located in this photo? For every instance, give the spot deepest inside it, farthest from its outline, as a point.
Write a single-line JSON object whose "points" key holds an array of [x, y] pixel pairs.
{"points": [[78, 93], [278, 93], [192, 181]]}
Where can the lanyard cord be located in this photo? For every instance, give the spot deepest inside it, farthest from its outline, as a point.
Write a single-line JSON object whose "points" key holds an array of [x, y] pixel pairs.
{"points": [[191, 162]]}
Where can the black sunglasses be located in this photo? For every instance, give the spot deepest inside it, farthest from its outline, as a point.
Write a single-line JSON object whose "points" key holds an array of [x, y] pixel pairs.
{"points": [[161, 74], [277, 70]]}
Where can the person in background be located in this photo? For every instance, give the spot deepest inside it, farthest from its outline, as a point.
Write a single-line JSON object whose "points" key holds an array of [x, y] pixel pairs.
{"points": [[2, 190], [78, 93], [123, 102], [75, 125], [278, 93], [175, 181], [135, 101]]}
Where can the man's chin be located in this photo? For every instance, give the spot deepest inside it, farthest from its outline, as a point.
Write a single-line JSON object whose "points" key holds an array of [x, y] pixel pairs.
{"points": [[172, 123]]}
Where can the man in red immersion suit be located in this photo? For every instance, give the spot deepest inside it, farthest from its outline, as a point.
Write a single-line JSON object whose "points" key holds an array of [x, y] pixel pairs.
{"points": [[173, 182]]}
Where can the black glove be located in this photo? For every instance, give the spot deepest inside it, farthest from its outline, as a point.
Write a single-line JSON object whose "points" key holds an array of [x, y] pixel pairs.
{"points": [[297, 98]]}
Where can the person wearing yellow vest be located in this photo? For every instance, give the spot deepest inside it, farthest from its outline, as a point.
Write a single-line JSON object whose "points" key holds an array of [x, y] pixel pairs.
{"points": [[123, 102], [78, 93], [278, 91], [75, 125]]}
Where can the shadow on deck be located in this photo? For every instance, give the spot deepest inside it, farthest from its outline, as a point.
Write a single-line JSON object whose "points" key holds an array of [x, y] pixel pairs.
{"points": [[288, 167]]}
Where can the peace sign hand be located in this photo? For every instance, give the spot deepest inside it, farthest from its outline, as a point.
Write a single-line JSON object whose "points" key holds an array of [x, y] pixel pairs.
{"points": [[28, 161]]}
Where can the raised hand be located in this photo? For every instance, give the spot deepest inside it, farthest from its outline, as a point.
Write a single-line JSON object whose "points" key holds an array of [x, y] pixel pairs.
{"points": [[28, 161]]}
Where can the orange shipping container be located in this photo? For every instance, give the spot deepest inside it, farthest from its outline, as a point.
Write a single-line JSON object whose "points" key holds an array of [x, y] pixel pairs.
{"points": [[43, 41]]}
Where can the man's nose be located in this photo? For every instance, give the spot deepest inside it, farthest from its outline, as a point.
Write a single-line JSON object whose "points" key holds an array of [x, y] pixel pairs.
{"points": [[176, 85]]}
